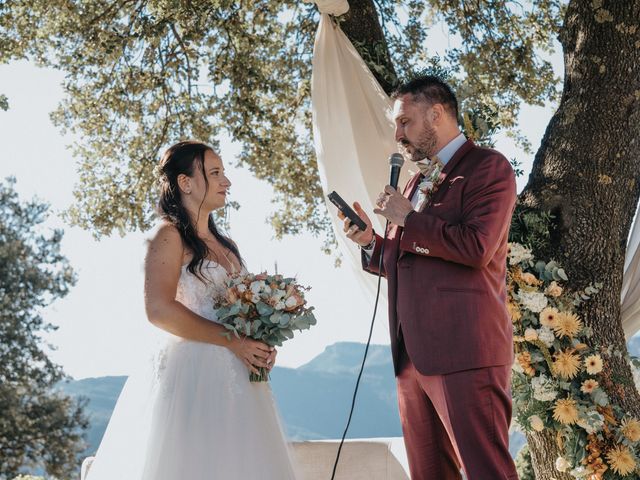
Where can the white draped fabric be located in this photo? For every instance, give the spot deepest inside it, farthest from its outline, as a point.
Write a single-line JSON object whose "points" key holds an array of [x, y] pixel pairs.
{"points": [[353, 131], [631, 284], [354, 136]]}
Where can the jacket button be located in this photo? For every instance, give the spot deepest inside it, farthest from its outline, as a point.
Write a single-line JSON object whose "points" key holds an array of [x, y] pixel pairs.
{"points": [[426, 251]]}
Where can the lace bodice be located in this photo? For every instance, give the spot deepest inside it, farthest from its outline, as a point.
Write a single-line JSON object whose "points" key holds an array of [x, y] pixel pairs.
{"points": [[200, 296]]}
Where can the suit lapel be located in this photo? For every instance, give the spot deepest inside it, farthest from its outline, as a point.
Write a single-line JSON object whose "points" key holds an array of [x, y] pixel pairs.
{"points": [[461, 152], [415, 181]]}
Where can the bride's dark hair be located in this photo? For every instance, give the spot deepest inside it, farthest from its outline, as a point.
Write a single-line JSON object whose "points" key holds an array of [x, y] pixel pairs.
{"points": [[183, 158]]}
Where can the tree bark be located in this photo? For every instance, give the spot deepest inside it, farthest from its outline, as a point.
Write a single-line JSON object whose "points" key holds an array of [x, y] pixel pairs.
{"points": [[542, 457], [362, 26], [586, 173]]}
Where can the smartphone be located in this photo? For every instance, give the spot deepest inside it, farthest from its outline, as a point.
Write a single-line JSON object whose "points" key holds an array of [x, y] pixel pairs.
{"points": [[347, 211]]}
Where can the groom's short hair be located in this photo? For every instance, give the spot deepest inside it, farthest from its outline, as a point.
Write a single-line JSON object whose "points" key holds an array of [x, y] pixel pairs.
{"points": [[430, 89]]}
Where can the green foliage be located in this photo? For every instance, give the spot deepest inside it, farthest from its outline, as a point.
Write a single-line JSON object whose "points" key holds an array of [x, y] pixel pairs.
{"points": [[531, 227], [141, 75], [499, 53], [39, 426], [4, 103], [516, 164], [523, 464]]}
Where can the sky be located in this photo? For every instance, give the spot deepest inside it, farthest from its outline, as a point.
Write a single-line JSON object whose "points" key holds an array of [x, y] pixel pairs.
{"points": [[102, 329]]}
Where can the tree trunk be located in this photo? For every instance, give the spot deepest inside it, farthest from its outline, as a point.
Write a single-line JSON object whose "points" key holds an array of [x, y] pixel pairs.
{"points": [[542, 457], [362, 25], [586, 173]]}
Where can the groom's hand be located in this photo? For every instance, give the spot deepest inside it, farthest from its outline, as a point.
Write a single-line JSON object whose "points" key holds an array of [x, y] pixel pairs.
{"points": [[393, 206], [353, 232]]}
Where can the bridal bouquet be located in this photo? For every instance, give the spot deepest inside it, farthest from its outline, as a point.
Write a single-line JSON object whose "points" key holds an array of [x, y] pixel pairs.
{"points": [[264, 307]]}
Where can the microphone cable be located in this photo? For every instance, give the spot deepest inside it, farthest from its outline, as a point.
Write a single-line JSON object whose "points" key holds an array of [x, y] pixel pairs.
{"points": [[366, 350]]}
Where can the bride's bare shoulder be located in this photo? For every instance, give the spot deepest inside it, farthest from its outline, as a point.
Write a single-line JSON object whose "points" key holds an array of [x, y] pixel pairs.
{"points": [[165, 240]]}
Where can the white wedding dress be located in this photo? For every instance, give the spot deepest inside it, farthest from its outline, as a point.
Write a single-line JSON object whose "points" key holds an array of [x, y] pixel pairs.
{"points": [[193, 414]]}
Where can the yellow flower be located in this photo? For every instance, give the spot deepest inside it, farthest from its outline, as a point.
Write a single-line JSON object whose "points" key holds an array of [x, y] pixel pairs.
{"points": [[548, 317], [565, 411], [631, 429], [567, 325], [514, 311], [593, 364], [620, 460], [589, 386], [554, 290], [529, 278], [566, 364]]}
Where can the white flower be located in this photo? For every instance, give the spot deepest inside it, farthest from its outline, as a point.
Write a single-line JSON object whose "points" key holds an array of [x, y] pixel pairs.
{"points": [[426, 185], [241, 288], [533, 301], [536, 423], [544, 388], [580, 472], [546, 336], [257, 286], [592, 422], [279, 305], [291, 302], [255, 298], [518, 254], [562, 465], [516, 367]]}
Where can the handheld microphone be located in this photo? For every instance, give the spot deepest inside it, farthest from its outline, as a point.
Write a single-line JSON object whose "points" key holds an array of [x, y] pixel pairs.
{"points": [[396, 160]]}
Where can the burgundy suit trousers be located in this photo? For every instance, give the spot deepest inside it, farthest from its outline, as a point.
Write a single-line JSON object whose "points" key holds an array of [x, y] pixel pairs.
{"points": [[457, 420]]}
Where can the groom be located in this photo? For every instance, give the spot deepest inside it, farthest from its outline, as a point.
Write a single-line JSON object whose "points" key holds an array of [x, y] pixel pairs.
{"points": [[445, 264]]}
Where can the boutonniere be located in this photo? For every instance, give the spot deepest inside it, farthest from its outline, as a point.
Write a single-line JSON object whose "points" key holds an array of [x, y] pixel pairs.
{"points": [[429, 186]]}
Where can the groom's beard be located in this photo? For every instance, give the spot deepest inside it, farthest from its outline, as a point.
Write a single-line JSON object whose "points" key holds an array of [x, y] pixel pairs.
{"points": [[423, 147]]}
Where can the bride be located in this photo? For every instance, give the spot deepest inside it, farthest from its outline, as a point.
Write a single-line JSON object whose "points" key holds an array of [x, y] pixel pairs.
{"points": [[194, 415]]}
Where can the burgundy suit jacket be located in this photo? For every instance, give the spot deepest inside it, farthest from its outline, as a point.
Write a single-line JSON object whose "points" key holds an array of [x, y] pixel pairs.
{"points": [[446, 269]]}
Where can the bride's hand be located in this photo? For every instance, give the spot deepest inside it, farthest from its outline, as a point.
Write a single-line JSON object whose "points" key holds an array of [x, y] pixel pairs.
{"points": [[252, 352], [272, 359]]}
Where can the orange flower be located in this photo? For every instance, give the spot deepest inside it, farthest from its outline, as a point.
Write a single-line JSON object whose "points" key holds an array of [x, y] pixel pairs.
{"points": [[530, 278], [514, 311], [524, 359]]}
